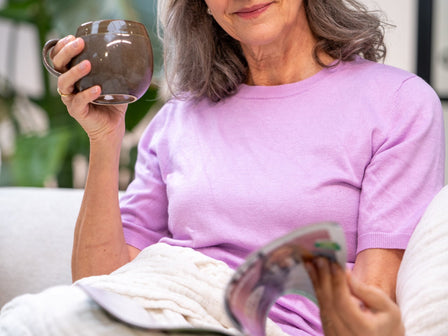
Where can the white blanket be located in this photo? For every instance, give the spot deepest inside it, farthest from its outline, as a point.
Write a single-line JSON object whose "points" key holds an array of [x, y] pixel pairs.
{"points": [[176, 285]]}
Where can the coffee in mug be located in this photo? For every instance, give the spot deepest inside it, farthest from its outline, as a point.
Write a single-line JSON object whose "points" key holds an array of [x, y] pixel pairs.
{"points": [[121, 56]]}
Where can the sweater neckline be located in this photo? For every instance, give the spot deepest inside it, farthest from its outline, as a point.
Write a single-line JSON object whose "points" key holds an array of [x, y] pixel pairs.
{"points": [[278, 91]]}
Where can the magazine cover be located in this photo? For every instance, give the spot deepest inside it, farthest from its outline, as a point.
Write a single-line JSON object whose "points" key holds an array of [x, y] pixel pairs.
{"points": [[278, 269]]}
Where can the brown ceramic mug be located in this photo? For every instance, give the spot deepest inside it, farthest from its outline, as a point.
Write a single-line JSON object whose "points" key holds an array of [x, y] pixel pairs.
{"points": [[121, 56]]}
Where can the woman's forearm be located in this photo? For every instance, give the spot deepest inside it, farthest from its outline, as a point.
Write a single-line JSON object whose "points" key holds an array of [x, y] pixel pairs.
{"points": [[99, 246], [379, 268]]}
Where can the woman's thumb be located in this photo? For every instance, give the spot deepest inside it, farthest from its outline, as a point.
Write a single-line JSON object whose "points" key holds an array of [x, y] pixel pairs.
{"points": [[374, 298]]}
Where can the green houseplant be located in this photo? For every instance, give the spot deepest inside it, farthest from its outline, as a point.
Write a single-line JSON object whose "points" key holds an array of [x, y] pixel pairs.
{"points": [[47, 157]]}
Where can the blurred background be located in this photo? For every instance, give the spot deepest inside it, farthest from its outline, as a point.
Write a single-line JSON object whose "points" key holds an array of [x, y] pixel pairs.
{"points": [[42, 146]]}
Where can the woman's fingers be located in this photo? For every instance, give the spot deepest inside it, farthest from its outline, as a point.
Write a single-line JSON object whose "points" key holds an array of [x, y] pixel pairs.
{"points": [[312, 273], [327, 277], [374, 298], [61, 44], [335, 301], [78, 105], [324, 276], [350, 307], [66, 82], [65, 50], [87, 96]]}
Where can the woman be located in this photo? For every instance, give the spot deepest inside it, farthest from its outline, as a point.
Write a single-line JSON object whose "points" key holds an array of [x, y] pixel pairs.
{"points": [[280, 117]]}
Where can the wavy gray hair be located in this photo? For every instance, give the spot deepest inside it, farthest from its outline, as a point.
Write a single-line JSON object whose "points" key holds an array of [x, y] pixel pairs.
{"points": [[202, 60]]}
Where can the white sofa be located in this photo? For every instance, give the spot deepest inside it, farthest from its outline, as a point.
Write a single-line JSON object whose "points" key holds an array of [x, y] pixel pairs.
{"points": [[36, 235]]}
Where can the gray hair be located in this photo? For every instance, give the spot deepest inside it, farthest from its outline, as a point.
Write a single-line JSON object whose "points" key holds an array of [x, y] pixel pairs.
{"points": [[202, 60]]}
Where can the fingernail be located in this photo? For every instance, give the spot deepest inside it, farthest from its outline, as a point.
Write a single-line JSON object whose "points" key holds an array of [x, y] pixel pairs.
{"points": [[75, 43], [320, 262], [67, 39], [83, 65], [96, 90]]}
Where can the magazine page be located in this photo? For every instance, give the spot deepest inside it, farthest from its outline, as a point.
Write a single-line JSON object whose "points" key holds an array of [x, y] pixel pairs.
{"points": [[278, 269]]}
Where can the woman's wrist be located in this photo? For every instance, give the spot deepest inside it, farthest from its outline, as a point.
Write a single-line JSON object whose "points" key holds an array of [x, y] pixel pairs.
{"points": [[105, 154], [112, 138]]}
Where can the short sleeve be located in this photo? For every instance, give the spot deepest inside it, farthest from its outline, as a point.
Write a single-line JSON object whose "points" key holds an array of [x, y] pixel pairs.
{"points": [[406, 170], [144, 205]]}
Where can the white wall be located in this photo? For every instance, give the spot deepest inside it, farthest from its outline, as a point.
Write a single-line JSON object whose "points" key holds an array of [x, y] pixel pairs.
{"points": [[401, 40], [439, 73]]}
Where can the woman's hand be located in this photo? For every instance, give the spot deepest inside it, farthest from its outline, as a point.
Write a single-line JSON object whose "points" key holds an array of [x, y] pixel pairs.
{"points": [[99, 121], [349, 307]]}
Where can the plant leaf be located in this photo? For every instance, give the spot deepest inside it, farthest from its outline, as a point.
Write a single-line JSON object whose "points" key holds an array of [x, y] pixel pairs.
{"points": [[37, 158]]}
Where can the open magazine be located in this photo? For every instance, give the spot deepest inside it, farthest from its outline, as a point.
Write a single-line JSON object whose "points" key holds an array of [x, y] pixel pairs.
{"points": [[274, 270]]}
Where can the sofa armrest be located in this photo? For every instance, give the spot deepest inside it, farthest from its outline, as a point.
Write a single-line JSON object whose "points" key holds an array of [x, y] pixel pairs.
{"points": [[36, 237], [422, 290]]}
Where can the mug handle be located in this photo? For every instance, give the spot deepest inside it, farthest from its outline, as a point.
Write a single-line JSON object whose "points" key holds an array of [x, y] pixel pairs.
{"points": [[46, 58]]}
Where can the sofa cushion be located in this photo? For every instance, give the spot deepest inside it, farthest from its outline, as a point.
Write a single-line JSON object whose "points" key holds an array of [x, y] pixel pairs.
{"points": [[36, 236], [422, 287]]}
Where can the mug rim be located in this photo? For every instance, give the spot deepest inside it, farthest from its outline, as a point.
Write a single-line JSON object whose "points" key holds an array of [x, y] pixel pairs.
{"points": [[104, 27]]}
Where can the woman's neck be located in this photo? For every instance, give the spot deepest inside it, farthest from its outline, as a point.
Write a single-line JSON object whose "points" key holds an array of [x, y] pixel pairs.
{"points": [[284, 69], [286, 60]]}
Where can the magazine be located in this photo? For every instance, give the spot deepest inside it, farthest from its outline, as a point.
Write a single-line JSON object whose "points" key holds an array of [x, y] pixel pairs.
{"points": [[274, 270]]}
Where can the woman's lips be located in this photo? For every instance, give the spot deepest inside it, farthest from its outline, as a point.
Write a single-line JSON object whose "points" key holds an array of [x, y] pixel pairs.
{"points": [[252, 12]]}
